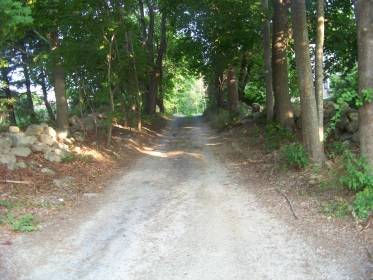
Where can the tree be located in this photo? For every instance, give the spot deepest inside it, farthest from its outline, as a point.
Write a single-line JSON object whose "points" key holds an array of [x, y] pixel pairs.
{"points": [[364, 12], [267, 63], [232, 90], [319, 72], [310, 129], [283, 107]]}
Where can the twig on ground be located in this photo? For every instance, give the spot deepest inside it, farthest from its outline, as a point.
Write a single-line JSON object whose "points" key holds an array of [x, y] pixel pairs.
{"points": [[287, 199], [16, 182]]}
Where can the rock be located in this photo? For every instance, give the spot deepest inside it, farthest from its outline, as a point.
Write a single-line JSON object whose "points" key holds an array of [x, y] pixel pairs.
{"points": [[79, 136], [5, 144], [44, 125], [21, 165], [346, 136], [51, 132], [48, 171], [47, 139], [14, 129], [35, 129], [63, 182], [52, 156], [12, 166], [256, 107], [356, 137], [7, 159], [63, 133], [61, 146], [21, 151], [61, 153], [40, 148], [74, 120], [329, 104]]}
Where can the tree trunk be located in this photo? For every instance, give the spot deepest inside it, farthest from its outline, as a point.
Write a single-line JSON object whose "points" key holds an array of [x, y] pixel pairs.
{"points": [[8, 95], [267, 64], [45, 97], [283, 106], [27, 82], [59, 84], [219, 85], [364, 12], [232, 91], [242, 79], [319, 75], [310, 129]]}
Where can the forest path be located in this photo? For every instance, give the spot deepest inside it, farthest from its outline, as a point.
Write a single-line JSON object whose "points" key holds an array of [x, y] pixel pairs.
{"points": [[175, 215]]}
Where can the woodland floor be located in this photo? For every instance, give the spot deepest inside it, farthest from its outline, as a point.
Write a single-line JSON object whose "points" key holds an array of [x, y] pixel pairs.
{"points": [[92, 172]]}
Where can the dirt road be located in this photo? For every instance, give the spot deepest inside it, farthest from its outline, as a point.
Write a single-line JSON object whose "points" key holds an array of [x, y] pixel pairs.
{"points": [[175, 215]]}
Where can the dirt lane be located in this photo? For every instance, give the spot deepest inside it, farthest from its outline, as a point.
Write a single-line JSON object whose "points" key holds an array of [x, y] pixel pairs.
{"points": [[175, 215]]}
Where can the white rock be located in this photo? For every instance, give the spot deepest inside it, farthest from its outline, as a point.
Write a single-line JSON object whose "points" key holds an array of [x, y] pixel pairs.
{"points": [[34, 129], [63, 133], [50, 131], [14, 129], [46, 139], [21, 165]]}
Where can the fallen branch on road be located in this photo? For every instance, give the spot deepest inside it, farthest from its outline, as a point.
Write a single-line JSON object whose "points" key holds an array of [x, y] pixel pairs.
{"points": [[16, 182], [287, 199]]}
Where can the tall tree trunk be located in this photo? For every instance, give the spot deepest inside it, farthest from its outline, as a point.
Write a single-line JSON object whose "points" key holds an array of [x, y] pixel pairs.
{"points": [[283, 106], [59, 83], [364, 12], [267, 64], [232, 91], [219, 85], [27, 82], [8, 95], [319, 75], [244, 69], [310, 129], [45, 96]]}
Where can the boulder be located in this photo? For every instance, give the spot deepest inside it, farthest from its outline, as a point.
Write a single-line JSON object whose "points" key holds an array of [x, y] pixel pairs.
{"points": [[51, 132], [256, 107], [74, 120], [63, 182], [59, 145], [21, 165], [63, 133], [79, 136], [20, 139], [61, 153], [7, 159], [35, 129], [46, 139], [48, 171], [40, 148], [5, 144], [21, 151], [14, 129], [52, 156]]}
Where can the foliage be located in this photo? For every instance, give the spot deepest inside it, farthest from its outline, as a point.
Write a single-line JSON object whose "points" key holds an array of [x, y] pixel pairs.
{"points": [[25, 223], [356, 175], [222, 120], [275, 137], [338, 208], [363, 203], [335, 149], [294, 156]]}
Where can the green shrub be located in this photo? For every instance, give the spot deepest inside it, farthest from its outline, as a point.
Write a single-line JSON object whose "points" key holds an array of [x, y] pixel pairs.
{"points": [[294, 156], [25, 223], [223, 120], [356, 172], [363, 203], [275, 137]]}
